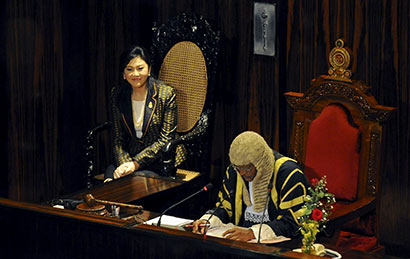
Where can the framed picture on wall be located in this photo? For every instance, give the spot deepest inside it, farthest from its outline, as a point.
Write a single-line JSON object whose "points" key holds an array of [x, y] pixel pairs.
{"points": [[264, 29]]}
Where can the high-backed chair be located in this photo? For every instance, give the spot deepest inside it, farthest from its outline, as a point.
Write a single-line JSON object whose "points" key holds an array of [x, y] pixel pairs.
{"points": [[185, 52], [337, 131]]}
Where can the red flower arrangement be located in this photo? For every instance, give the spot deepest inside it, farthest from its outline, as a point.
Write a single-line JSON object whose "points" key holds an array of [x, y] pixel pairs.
{"points": [[317, 208]]}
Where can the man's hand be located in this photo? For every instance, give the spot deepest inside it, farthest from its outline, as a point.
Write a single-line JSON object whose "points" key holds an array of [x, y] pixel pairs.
{"points": [[199, 226], [240, 234], [125, 169]]}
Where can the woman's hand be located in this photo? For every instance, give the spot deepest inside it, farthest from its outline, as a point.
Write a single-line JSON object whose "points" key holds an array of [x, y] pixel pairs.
{"points": [[125, 169], [200, 226], [241, 234]]}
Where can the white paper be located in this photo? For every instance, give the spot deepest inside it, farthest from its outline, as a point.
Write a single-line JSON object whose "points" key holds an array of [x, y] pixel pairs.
{"points": [[167, 220]]}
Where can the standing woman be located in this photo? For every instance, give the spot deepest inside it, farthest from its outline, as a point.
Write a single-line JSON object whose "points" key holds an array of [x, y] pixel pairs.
{"points": [[144, 112]]}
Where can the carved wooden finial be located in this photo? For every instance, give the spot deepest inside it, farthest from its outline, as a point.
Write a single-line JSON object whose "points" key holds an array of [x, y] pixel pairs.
{"points": [[339, 59]]}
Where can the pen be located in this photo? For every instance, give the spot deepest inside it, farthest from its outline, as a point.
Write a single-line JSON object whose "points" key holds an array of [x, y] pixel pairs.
{"points": [[200, 225]]}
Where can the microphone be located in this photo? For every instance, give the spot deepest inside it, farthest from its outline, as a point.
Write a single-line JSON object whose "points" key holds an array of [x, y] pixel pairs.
{"points": [[203, 189], [264, 209]]}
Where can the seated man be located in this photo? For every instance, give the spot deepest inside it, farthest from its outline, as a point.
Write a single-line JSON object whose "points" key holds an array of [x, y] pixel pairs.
{"points": [[254, 169]]}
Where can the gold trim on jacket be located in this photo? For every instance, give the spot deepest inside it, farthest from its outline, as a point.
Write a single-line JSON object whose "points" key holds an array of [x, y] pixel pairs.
{"points": [[159, 126]]}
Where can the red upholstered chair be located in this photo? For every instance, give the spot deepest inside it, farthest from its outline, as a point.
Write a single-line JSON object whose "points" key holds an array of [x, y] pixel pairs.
{"points": [[337, 132], [332, 149]]}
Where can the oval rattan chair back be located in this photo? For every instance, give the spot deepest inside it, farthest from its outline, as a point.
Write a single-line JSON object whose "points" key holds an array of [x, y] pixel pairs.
{"points": [[184, 68]]}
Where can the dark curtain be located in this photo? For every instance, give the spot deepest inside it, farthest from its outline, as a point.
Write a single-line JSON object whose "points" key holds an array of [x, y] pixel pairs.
{"points": [[61, 61]]}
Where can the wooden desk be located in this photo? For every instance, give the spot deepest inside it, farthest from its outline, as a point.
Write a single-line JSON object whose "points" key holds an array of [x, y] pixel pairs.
{"points": [[129, 189], [153, 193], [39, 231]]}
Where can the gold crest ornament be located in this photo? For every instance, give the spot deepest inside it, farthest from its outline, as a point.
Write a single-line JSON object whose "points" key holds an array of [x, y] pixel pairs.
{"points": [[339, 59]]}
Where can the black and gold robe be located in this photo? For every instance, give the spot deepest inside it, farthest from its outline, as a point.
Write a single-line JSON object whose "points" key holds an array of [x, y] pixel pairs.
{"points": [[285, 200], [159, 126]]}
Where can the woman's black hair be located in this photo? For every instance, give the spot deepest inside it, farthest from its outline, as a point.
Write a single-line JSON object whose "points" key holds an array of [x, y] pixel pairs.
{"points": [[133, 52]]}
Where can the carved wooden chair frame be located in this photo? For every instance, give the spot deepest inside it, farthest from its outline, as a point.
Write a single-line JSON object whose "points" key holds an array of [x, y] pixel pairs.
{"points": [[337, 87], [195, 30]]}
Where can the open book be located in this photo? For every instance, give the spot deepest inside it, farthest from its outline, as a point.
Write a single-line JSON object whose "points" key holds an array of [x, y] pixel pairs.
{"points": [[179, 223], [219, 230]]}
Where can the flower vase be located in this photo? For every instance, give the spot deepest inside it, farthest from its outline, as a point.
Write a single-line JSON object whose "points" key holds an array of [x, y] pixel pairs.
{"points": [[307, 245]]}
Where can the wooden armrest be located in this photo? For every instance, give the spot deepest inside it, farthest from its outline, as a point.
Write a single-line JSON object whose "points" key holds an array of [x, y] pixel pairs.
{"points": [[187, 175], [350, 211], [294, 94]]}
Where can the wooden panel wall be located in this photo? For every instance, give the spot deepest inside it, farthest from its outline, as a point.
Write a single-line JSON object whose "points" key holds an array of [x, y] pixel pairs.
{"points": [[61, 61]]}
